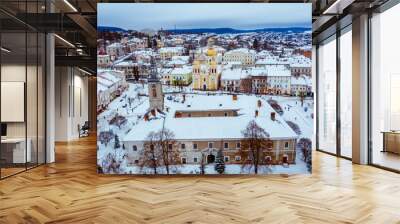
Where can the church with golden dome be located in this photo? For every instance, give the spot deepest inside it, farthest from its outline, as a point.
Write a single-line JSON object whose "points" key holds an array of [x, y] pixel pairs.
{"points": [[206, 71]]}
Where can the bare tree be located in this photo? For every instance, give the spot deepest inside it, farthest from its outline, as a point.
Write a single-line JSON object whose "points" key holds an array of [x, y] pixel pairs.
{"points": [[255, 140], [160, 150], [150, 154], [202, 164], [305, 145], [110, 164], [169, 150]]}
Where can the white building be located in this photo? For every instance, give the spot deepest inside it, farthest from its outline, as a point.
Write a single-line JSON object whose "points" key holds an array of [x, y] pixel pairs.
{"points": [[103, 60], [278, 79], [128, 68], [300, 65], [137, 44], [177, 61], [165, 74], [110, 84], [203, 134], [168, 52], [115, 50], [231, 79], [301, 86], [144, 55], [243, 55], [181, 76]]}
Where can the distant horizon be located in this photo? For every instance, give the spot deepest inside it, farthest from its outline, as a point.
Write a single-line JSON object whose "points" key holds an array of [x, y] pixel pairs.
{"points": [[239, 16], [200, 28]]}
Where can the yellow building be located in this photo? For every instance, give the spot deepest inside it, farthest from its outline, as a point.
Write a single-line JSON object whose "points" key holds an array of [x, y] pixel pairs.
{"points": [[206, 72]]}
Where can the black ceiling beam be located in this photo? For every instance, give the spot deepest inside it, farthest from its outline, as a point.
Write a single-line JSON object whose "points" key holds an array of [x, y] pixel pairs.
{"points": [[77, 61], [49, 22], [204, 1]]}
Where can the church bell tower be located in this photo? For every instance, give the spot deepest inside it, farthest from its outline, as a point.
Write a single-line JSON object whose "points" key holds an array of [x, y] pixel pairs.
{"points": [[156, 95]]}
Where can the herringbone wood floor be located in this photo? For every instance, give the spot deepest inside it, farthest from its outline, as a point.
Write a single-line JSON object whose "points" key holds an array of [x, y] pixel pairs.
{"points": [[70, 191]]}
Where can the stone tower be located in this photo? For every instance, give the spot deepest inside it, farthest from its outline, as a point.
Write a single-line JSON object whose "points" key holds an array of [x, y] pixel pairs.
{"points": [[156, 96]]}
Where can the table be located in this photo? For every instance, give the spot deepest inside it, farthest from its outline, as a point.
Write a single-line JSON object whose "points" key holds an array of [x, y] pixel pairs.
{"points": [[13, 150], [391, 141]]}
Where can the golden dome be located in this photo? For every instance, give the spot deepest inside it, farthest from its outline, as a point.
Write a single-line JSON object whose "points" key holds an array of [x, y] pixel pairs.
{"points": [[211, 52]]}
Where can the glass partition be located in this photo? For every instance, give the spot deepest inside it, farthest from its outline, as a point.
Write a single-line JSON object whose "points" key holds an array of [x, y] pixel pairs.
{"points": [[327, 95], [14, 153], [346, 93], [31, 98], [41, 97], [22, 78], [385, 89]]}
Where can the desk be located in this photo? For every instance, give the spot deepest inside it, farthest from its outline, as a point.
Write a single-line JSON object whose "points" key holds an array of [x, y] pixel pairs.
{"points": [[391, 141], [13, 150]]}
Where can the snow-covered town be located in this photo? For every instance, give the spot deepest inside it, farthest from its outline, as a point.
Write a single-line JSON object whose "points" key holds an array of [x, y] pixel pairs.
{"points": [[204, 101]]}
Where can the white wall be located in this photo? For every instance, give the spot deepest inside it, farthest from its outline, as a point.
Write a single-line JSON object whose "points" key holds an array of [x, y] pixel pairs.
{"points": [[71, 102]]}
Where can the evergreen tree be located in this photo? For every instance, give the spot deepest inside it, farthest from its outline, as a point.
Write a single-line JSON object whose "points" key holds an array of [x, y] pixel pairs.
{"points": [[255, 44], [309, 160], [116, 142], [148, 41], [219, 163], [154, 44]]}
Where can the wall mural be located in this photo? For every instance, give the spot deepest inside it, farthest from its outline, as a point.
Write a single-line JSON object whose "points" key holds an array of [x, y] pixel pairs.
{"points": [[204, 88]]}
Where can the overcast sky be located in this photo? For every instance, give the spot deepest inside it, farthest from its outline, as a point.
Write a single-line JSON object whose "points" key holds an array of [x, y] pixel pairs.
{"points": [[139, 16]]}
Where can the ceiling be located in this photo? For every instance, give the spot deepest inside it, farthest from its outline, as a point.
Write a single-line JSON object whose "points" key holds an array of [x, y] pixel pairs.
{"points": [[75, 21]]}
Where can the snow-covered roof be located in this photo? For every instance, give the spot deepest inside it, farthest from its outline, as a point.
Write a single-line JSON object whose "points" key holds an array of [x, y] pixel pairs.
{"points": [[270, 60], [204, 102], [242, 50], [233, 74], [171, 49], [101, 87], [270, 71], [114, 45], [125, 64], [180, 58], [292, 60], [145, 52], [299, 61], [216, 48], [108, 77], [302, 80], [264, 53], [277, 70], [182, 71], [103, 55], [209, 128], [135, 40], [105, 82], [123, 58], [164, 71]]}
